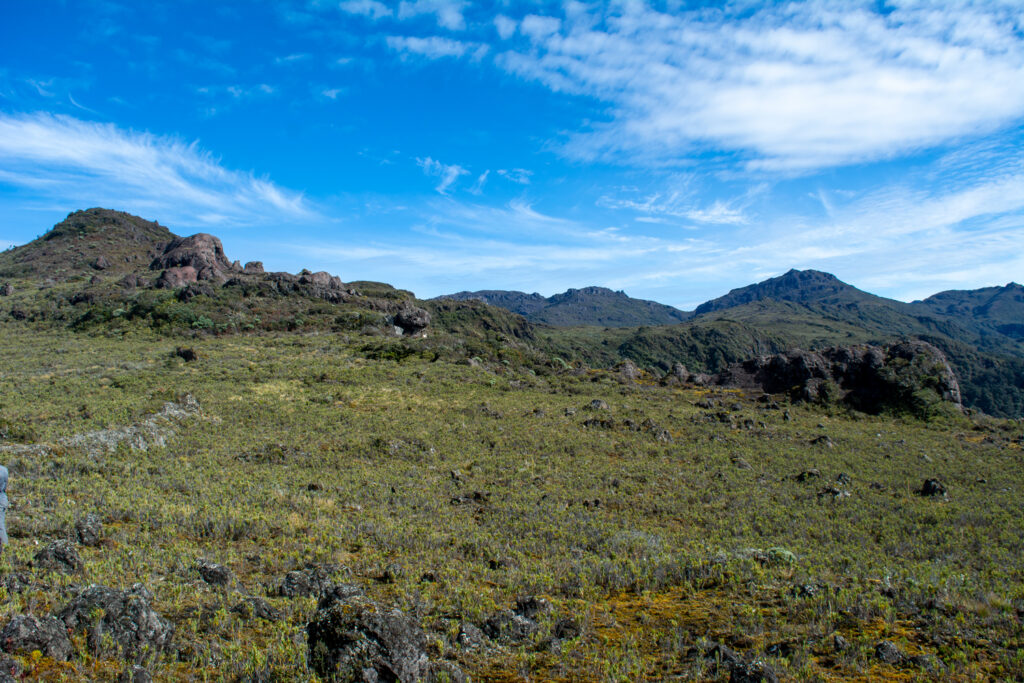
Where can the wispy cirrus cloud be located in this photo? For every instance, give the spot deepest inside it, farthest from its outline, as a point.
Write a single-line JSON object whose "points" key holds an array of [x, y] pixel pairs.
{"points": [[91, 164], [447, 173], [789, 87], [519, 176]]}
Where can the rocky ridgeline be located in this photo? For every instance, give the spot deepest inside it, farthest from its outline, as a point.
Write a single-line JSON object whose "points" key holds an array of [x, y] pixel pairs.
{"points": [[909, 375], [197, 264]]}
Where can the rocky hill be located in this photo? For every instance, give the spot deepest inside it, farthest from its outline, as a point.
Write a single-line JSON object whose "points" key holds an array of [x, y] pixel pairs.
{"points": [[996, 309], [88, 242], [575, 307]]}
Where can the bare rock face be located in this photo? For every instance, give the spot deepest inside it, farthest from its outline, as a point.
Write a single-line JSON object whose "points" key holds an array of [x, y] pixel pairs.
{"points": [[177, 277], [908, 376], [202, 252], [253, 268]]}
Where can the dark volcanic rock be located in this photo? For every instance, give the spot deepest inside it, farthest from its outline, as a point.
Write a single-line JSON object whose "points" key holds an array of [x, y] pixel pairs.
{"points": [[59, 556], [7, 289], [910, 375], [355, 639], [412, 320], [123, 620], [754, 672], [135, 674], [933, 488], [887, 652], [10, 669], [258, 608], [313, 580], [202, 252], [26, 633], [88, 530], [214, 574]]}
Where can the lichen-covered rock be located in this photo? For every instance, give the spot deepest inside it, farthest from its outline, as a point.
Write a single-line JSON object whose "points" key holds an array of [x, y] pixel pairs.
{"points": [[312, 580], [256, 608], [352, 638], [25, 633], [122, 619], [213, 573], [88, 530], [59, 556]]}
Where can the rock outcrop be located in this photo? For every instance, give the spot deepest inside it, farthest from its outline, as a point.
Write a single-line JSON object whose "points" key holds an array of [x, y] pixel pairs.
{"points": [[909, 375], [202, 251], [122, 621]]}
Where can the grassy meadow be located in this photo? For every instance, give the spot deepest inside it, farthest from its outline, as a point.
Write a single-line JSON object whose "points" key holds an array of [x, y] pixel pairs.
{"points": [[677, 518]]}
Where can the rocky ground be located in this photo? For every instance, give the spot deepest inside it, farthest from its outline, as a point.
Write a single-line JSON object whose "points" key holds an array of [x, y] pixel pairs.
{"points": [[300, 507]]}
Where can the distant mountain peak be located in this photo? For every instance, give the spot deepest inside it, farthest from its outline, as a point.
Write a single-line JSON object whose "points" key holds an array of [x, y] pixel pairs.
{"points": [[798, 286], [583, 306]]}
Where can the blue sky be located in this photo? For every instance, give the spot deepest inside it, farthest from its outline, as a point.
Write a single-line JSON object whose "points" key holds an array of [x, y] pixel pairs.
{"points": [[674, 150]]}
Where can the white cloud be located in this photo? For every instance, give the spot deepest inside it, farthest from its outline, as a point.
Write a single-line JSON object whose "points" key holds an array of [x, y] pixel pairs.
{"points": [[516, 175], [435, 47], [678, 204], [505, 26], [292, 59], [91, 164], [367, 8], [478, 186], [447, 12], [447, 174], [332, 93], [793, 86]]}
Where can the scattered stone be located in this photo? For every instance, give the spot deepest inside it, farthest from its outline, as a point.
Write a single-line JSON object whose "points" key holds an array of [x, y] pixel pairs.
{"points": [[479, 497], [59, 556], [567, 628], [754, 672], [313, 580], [844, 479], [7, 289], [88, 530], [723, 655], [833, 493], [931, 664], [741, 463], [26, 633], [101, 263], [812, 473], [355, 639], [122, 619], [214, 574], [186, 353], [256, 608], [839, 643], [887, 652], [532, 606], [598, 404], [135, 674], [392, 573], [822, 440], [508, 627], [933, 488]]}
